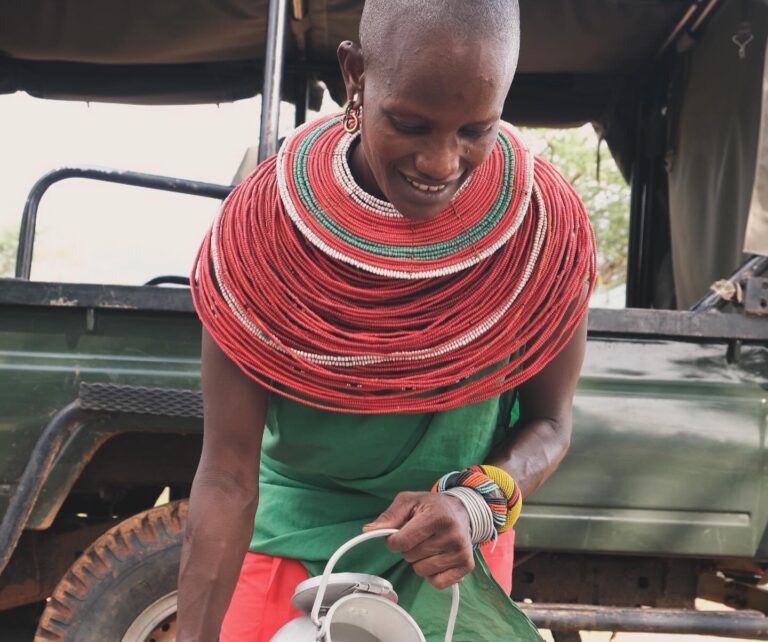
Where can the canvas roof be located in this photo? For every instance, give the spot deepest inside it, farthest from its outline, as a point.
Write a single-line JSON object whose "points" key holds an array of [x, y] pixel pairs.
{"points": [[181, 51]]}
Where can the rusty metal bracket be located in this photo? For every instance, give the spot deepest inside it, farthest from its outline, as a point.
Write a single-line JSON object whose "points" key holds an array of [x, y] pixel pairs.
{"points": [[756, 296], [746, 594], [754, 266], [606, 580]]}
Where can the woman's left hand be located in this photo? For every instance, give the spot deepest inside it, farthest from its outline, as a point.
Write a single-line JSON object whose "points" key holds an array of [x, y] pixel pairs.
{"points": [[434, 535]]}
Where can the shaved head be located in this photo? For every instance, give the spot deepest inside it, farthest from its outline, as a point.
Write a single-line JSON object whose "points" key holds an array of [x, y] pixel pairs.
{"points": [[383, 21]]}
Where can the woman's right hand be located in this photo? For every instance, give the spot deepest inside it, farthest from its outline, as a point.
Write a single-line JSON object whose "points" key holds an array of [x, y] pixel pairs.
{"points": [[434, 535]]}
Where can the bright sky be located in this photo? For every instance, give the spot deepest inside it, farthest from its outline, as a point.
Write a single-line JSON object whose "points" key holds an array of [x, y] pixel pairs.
{"points": [[96, 232]]}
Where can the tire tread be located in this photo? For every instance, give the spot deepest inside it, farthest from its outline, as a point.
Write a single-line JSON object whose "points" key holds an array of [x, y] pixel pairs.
{"points": [[103, 561]]}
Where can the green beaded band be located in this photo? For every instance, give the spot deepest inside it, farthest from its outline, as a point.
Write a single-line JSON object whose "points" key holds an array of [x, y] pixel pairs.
{"points": [[461, 241]]}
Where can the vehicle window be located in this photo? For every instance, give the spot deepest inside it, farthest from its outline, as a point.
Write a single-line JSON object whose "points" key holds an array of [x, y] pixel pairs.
{"points": [[94, 232]]}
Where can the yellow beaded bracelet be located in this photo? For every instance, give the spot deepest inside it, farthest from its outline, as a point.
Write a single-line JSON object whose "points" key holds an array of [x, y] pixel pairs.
{"points": [[511, 490]]}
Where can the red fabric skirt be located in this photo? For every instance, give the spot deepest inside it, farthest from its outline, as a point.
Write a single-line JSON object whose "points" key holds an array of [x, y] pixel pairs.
{"points": [[261, 603]]}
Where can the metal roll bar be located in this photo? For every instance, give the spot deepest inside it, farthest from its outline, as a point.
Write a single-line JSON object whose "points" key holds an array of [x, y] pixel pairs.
{"points": [[137, 179], [273, 79], [691, 22]]}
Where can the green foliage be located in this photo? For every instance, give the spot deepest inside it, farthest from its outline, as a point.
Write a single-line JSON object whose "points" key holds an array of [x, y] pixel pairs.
{"points": [[8, 241], [574, 153]]}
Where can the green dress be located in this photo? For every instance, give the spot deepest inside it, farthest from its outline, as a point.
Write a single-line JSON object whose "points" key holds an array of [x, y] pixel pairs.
{"points": [[326, 474]]}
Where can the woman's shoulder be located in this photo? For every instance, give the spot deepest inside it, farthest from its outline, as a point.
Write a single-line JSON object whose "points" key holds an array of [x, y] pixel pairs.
{"points": [[524, 145], [551, 187], [261, 176]]}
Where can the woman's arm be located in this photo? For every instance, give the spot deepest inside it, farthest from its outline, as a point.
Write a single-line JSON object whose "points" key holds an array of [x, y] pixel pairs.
{"points": [[542, 436], [434, 533], [224, 495]]}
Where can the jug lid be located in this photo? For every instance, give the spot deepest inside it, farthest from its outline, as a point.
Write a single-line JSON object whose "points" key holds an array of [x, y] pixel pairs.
{"points": [[339, 585]]}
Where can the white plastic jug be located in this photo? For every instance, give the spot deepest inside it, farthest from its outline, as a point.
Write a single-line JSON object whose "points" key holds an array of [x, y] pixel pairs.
{"points": [[353, 607]]}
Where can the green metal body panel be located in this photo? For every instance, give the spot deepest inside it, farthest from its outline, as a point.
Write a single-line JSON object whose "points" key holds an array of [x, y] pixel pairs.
{"points": [[46, 351], [669, 453]]}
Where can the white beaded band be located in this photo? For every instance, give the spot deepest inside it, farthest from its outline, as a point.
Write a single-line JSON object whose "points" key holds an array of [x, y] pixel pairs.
{"points": [[343, 174]]}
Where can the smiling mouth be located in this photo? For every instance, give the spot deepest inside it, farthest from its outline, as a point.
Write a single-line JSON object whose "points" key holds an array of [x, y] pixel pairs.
{"points": [[423, 187]]}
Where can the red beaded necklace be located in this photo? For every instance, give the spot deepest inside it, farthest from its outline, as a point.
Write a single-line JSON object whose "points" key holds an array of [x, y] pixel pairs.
{"points": [[322, 293]]}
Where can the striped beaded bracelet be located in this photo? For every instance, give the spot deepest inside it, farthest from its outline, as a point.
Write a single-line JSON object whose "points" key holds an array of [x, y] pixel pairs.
{"points": [[497, 488]]}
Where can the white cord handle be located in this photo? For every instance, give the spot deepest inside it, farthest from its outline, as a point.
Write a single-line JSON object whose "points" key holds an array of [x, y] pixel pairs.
{"points": [[382, 532]]}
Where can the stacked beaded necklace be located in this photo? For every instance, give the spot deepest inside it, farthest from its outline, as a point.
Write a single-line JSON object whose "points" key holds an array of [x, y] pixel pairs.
{"points": [[326, 294]]}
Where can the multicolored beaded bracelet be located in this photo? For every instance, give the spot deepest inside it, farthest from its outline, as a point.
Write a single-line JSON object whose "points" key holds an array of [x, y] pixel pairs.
{"points": [[497, 487], [511, 491]]}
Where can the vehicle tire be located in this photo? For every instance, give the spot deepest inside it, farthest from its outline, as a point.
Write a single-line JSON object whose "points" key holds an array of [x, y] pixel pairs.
{"points": [[123, 588]]}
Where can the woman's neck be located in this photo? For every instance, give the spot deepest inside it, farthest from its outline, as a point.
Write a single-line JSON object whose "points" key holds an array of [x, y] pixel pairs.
{"points": [[361, 171]]}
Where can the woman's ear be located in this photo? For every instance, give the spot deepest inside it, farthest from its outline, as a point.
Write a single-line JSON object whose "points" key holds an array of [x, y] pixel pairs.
{"points": [[350, 57]]}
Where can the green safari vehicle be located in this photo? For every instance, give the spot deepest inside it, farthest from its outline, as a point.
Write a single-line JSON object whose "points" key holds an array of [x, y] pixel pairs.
{"points": [[663, 497]]}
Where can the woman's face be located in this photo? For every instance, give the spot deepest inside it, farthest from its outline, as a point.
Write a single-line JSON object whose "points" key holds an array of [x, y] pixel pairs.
{"points": [[430, 116]]}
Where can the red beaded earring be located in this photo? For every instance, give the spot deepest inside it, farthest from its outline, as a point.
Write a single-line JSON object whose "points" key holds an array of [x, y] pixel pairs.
{"points": [[352, 115]]}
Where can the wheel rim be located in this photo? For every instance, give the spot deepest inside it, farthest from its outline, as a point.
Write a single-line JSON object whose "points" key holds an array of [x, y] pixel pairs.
{"points": [[156, 623]]}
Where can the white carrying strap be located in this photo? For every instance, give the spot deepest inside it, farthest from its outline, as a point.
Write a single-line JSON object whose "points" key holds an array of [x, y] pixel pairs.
{"points": [[383, 532]]}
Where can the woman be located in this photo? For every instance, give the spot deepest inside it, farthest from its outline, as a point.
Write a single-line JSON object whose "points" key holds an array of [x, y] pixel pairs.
{"points": [[388, 296]]}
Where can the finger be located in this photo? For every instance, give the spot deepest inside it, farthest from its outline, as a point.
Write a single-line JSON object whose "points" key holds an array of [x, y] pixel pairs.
{"points": [[415, 532], [434, 566], [449, 577], [430, 519], [435, 545], [396, 514]]}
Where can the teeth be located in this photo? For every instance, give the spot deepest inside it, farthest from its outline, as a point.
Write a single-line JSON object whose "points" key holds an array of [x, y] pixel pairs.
{"points": [[425, 188]]}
